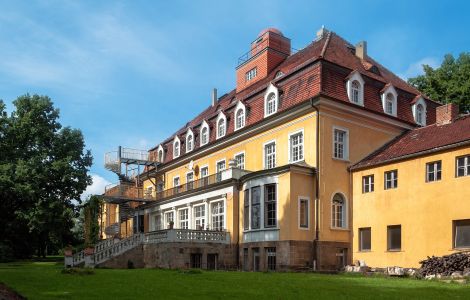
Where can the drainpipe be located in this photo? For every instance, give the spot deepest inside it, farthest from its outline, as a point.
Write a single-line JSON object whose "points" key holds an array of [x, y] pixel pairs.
{"points": [[317, 182]]}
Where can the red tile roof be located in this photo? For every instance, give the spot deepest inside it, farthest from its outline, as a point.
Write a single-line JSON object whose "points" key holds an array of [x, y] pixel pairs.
{"points": [[319, 68], [419, 141]]}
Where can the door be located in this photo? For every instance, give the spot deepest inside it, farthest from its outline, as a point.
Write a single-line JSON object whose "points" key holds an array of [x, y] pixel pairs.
{"points": [[220, 167], [256, 259], [212, 261]]}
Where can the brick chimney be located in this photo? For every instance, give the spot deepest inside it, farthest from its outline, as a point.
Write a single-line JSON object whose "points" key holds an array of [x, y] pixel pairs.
{"points": [[361, 50], [446, 114], [269, 49]]}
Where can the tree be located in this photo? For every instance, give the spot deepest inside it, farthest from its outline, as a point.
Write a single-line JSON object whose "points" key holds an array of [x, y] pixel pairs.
{"points": [[43, 172], [448, 83]]}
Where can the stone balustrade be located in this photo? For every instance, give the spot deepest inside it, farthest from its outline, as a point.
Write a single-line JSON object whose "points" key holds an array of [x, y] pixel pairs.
{"points": [[187, 235]]}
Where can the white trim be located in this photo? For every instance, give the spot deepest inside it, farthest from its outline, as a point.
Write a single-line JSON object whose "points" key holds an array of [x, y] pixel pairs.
{"points": [[225, 162], [160, 148], [414, 109], [390, 90], [190, 172], [346, 143], [271, 90], [264, 153], [345, 211], [244, 157], [188, 134], [355, 76], [299, 198], [224, 199], [260, 181], [204, 125], [289, 148], [239, 106], [193, 220], [221, 116], [176, 139], [173, 182], [202, 167]]}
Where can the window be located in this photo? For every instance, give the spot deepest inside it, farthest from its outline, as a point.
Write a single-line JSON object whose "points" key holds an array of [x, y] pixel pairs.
{"points": [[239, 118], [169, 218], [367, 184], [255, 207], [419, 114], [204, 172], [160, 155], [391, 180], [270, 216], [340, 144], [355, 88], [246, 210], [304, 213], [176, 147], [463, 166], [219, 167], [338, 212], [271, 106], [157, 221], [176, 181], [220, 127], [271, 258], [270, 155], [160, 186], [183, 216], [389, 104], [251, 74], [296, 147], [461, 233], [217, 209], [364, 239], [240, 160], [245, 259], [199, 217], [196, 260], [419, 111], [433, 171], [394, 238], [355, 91], [389, 100], [204, 133], [189, 180], [189, 141]]}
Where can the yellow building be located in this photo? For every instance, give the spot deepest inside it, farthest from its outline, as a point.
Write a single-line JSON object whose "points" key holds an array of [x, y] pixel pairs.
{"points": [[259, 180], [411, 196]]}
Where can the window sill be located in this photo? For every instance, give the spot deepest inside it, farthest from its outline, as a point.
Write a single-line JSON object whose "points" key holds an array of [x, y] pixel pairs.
{"points": [[345, 160], [364, 251], [339, 228], [262, 229], [461, 249], [394, 251]]}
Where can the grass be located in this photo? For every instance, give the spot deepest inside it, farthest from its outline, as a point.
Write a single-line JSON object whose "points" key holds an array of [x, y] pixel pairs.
{"points": [[44, 280]]}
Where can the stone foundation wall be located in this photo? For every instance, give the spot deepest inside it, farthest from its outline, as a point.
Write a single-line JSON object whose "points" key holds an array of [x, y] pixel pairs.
{"points": [[135, 256], [332, 255]]}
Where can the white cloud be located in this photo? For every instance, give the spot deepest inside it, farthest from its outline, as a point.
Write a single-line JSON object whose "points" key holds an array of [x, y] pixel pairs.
{"points": [[416, 68], [96, 188]]}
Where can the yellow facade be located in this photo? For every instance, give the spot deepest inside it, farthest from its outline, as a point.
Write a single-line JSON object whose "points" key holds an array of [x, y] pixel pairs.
{"points": [[425, 210]]}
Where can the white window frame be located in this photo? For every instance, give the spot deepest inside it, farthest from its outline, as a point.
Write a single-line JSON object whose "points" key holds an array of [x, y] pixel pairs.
{"points": [[203, 218], [200, 171], [179, 181], [301, 145], [240, 106], [414, 109], [155, 223], [160, 150], [217, 162], [224, 214], [344, 212], [222, 117], [204, 125], [189, 133], [393, 178], [167, 221], [183, 220], [355, 76], [251, 74], [176, 140], [345, 144], [271, 90], [465, 166], [244, 159], [390, 90], [187, 182], [264, 154], [299, 201], [432, 168], [370, 183]]}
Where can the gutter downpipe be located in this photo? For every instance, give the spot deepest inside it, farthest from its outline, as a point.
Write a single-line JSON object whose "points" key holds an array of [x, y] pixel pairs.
{"points": [[317, 185]]}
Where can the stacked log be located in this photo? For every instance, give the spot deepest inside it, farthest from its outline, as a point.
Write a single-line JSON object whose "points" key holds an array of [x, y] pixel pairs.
{"points": [[445, 265]]}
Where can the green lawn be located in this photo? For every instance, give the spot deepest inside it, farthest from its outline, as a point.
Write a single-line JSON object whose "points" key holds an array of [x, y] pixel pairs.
{"points": [[43, 280]]}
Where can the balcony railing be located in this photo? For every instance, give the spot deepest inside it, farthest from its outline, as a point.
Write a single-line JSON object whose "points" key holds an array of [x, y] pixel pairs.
{"points": [[113, 159], [129, 191], [187, 235]]}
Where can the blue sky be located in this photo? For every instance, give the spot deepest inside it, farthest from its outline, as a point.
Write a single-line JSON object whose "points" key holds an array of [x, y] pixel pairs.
{"points": [[130, 73]]}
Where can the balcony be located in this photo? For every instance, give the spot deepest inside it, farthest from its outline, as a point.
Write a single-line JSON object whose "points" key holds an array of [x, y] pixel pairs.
{"points": [[187, 235], [128, 156], [119, 193]]}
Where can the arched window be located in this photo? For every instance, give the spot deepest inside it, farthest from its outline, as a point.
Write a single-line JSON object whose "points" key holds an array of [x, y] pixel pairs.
{"points": [[338, 211], [221, 128], [160, 155], [355, 91], [271, 105], [176, 148], [389, 99], [204, 136], [420, 114], [240, 118], [189, 142]]}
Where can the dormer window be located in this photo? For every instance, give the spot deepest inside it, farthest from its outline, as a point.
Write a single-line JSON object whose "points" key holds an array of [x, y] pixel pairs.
{"points": [[240, 115], [176, 147], [355, 88], [221, 125], [279, 74], [204, 133], [271, 100], [389, 101], [160, 154], [189, 141], [419, 111]]}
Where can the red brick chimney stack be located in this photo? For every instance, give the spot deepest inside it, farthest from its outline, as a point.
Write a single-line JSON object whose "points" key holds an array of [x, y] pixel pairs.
{"points": [[446, 114]]}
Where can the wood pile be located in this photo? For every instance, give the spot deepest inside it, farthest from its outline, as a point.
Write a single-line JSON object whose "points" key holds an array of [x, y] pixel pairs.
{"points": [[445, 265]]}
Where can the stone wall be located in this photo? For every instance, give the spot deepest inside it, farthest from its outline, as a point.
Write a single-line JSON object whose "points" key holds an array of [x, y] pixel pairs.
{"points": [[134, 256], [330, 254]]}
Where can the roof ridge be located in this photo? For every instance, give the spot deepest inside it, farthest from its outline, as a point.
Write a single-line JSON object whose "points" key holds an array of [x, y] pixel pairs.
{"points": [[327, 42]]}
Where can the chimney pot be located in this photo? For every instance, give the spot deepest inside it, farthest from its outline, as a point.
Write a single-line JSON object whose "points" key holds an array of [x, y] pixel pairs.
{"points": [[446, 114], [361, 49], [214, 97]]}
